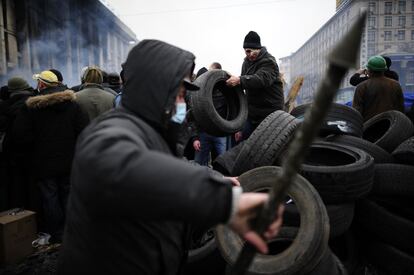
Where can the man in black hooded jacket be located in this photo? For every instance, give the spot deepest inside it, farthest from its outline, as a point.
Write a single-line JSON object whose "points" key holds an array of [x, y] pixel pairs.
{"points": [[129, 213]]}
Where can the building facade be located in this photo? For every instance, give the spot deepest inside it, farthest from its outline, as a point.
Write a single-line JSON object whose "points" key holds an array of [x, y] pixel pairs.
{"points": [[66, 35], [389, 30]]}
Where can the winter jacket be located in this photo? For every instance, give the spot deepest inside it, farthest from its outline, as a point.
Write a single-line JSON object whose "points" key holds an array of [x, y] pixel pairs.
{"points": [[357, 78], [263, 85], [376, 95], [94, 101], [8, 112], [46, 130], [129, 214]]}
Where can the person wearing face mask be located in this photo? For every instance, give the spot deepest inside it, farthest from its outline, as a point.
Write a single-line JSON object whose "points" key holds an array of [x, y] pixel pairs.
{"points": [[132, 211], [261, 80]]}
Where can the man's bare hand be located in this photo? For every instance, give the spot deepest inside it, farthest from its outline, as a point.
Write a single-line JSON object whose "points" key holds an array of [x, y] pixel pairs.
{"points": [[238, 136], [246, 211], [197, 145], [234, 180], [233, 81]]}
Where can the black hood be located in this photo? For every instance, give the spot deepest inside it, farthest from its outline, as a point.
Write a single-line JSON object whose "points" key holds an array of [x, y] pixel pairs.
{"points": [[153, 73]]}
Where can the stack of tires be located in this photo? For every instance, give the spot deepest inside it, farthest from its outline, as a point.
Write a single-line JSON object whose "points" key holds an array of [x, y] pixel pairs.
{"points": [[384, 222], [342, 172], [351, 209]]}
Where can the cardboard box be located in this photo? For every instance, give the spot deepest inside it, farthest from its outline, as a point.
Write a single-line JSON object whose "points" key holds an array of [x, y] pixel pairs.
{"points": [[17, 232]]}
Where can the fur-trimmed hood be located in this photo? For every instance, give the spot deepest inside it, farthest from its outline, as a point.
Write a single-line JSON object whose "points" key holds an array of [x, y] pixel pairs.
{"points": [[44, 101]]}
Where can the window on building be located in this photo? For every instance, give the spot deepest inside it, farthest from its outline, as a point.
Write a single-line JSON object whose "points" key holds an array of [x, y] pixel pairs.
{"points": [[412, 35], [371, 36], [401, 21], [371, 51], [388, 8], [388, 35], [372, 21], [401, 35], [372, 6], [401, 6], [412, 5], [388, 21], [409, 80]]}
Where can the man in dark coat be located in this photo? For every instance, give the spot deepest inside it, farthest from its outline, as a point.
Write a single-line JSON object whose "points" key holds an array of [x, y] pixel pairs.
{"points": [[361, 75], [130, 213], [16, 165], [379, 93], [261, 80], [46, 130]]}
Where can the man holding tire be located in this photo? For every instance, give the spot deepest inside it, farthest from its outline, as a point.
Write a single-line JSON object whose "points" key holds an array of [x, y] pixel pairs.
{"points": [[130, 212], [261, 80]]}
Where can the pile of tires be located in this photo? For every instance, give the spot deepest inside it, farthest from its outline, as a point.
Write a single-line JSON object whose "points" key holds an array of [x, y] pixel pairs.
{"points": [[351, 209], [384, 219]]}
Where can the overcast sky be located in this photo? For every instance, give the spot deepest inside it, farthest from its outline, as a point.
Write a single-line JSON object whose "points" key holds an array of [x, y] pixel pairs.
{"points": [[214, 30]]}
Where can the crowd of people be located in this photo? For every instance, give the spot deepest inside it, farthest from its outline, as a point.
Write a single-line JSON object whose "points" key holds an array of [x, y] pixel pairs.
{"points": [[99, 162]]}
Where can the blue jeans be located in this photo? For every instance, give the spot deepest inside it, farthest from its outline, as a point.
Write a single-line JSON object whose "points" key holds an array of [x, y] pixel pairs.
{"points": [[208, 143]]}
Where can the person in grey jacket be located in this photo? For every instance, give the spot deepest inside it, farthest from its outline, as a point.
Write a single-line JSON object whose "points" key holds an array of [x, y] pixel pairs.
{"points": [[92, 98], [131, 213]]}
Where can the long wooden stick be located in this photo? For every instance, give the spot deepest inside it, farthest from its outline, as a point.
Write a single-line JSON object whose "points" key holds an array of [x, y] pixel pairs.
{"points": [[341, 58]]}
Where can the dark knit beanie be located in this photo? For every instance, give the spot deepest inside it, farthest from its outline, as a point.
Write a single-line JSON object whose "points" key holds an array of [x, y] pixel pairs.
{"points": [[252, 41], [387, 60], [58, 74], [17, 84]]}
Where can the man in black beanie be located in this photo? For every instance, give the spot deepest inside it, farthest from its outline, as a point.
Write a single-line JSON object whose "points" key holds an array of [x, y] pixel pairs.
{"points": [[261, 80]]}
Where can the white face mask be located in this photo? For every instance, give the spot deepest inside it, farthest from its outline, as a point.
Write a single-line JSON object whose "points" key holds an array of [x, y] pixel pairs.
{"points": [[180, 113]]}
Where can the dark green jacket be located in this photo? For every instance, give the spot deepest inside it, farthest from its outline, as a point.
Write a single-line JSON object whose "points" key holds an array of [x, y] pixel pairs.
{"points": [[94, 100]]}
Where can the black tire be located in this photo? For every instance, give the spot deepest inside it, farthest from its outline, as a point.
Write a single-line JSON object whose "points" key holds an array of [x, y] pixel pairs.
{"points": [[340, 173], [329, 264], [340, 217], [404, 153], [207, 246], [394, 180], [388, 129], [379, 154], [306, 250], [388, 258], [340, 119], [225, 162], [267, 142], [204, 112], [346, 249], [385, 226]]}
